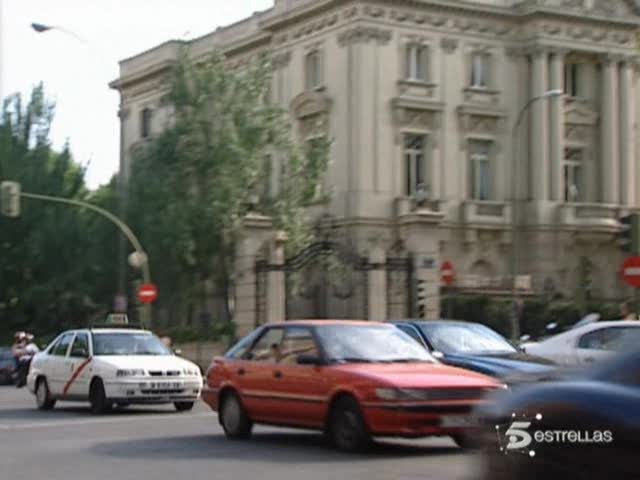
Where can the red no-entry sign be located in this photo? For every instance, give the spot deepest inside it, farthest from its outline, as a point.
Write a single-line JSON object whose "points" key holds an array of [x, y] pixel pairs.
{"points": [[447, 273], [631, 271], [148, 293]]}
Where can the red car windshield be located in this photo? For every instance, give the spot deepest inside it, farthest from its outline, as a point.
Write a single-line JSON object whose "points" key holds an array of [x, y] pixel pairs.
{"points": [[369, 344]]}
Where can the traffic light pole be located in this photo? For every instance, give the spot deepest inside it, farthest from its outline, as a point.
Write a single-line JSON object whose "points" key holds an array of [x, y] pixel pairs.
{"points": [[146, 273]]}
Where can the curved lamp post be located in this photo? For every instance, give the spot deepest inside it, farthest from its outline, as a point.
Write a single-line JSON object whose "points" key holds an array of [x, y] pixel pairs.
{"points": [[140, 257], [515, 314], [41, 28]]}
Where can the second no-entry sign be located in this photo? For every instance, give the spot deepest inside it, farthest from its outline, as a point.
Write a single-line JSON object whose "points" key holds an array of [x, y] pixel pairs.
{"points": [[631, 271], [148, 293]]}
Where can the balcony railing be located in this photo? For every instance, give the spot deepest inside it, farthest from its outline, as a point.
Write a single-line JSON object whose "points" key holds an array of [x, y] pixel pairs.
{"points": [[486, 212], [504, 284], [407, 205], [589, 214]]}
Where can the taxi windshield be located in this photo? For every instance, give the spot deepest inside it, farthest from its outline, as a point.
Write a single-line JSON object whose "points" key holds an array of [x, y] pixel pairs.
{"points": [[370, 344], [128, 344]]}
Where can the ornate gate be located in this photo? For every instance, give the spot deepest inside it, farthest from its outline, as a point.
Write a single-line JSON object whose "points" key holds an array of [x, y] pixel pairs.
{"points": [[326, 280]]}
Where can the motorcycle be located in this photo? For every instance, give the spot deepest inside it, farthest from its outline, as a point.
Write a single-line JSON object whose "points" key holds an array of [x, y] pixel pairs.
{"points": [[20, 375]]}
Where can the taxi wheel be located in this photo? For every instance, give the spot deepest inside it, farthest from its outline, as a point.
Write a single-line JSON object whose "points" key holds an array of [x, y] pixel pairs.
{"points": [[183, 406], [43, 395], [98, 398], [234, 419], [347, 428]]}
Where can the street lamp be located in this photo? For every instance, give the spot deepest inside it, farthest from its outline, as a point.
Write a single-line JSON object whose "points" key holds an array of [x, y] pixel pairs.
{"points": [[42, 28], [138, 258], [515, 314]]}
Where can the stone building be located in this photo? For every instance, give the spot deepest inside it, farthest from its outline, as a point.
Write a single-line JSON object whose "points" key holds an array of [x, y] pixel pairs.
{"points": [[420, 98]]}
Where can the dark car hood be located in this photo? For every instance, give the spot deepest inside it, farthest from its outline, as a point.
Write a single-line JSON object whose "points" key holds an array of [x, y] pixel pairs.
{"points": [[502, 365]]}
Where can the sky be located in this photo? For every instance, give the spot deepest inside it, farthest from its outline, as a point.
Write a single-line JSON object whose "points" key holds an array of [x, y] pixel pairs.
{"points": [[77, 60]]}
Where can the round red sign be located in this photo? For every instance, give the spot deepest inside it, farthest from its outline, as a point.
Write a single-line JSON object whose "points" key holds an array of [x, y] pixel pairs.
{"points": [[631, 271], [148, 293], [447, 274]]}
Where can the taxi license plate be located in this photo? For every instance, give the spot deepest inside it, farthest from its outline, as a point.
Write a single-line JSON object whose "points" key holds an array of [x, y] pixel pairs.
{"points": [[165, 385], [458, 421]]}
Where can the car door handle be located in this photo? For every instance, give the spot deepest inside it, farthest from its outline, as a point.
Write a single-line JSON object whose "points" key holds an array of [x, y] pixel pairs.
{"points": [[241, 371], [277, 374], [589, 359]]}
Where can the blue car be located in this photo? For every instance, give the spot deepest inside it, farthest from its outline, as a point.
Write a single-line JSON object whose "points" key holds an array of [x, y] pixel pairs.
{"points": [[583, 426], [476, 347], [7, 366]]}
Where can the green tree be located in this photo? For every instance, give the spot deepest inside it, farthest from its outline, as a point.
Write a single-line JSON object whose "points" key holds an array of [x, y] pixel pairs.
{"points": [[43, 284], [192, 185]]}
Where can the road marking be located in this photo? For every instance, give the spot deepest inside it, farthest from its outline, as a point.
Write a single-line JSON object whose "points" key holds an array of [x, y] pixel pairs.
{"points": [[97, 421]]}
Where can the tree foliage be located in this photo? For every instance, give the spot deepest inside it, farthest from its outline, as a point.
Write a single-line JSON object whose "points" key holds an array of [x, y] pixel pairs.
{"points": [[43, 284], [193, 184]]}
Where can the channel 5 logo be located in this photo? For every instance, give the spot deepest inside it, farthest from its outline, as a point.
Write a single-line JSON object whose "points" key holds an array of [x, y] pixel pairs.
{"points": [[518, 436]]}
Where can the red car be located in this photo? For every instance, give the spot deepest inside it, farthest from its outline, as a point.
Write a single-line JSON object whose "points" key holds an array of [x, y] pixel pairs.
{"points": [[353, 380]]}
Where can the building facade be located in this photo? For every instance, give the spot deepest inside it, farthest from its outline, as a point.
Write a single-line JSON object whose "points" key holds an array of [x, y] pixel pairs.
{"points": [[420, 99]]}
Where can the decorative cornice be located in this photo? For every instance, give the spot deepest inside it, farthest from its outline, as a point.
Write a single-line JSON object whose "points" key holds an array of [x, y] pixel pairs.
{"points": [[559, 51], [315, 26], [362, 34], [449, 45], [281, 59]]}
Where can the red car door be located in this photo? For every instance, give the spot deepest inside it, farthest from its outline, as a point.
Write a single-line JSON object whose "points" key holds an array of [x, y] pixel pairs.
{"points": [[254, 376], [302, 390]]}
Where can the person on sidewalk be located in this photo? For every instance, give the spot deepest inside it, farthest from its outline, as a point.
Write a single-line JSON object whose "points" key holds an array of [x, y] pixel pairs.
{"points": [[627, 313], [28, 352]]}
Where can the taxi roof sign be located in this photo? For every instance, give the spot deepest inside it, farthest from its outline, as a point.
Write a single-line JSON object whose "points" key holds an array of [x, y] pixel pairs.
{"points": [[117, 319]]}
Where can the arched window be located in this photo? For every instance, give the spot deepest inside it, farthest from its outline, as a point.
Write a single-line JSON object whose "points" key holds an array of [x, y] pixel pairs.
{"points": [[482, 269]]}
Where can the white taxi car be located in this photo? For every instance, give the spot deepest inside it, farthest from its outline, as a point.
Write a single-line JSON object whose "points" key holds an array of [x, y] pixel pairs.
{"points": [[108, 366]]}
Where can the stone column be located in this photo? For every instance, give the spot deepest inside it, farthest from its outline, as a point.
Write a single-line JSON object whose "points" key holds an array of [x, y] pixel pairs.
{"points": [[276, 290], [419, 232], [256, 231], [539, 139], [377, 284], [627, 138], [556, 133], [609, 139]]}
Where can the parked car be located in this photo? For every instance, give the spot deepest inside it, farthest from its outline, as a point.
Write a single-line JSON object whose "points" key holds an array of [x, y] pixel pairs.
{"points": [[587, 343], [476, 347], [354, 380], [108, 366], [586, 426], [7, 366]]}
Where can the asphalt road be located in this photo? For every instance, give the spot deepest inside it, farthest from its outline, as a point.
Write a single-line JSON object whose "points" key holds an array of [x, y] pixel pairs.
{"points": [[156, 443]]}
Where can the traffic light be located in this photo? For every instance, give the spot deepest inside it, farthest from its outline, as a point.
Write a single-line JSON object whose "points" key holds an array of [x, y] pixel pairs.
{"points": [[421, 299], [10, 199], [630, 235]]}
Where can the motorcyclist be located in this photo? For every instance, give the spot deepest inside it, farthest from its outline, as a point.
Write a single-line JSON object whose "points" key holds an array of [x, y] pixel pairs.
{"points": [[28, 352], [17, 349]]}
